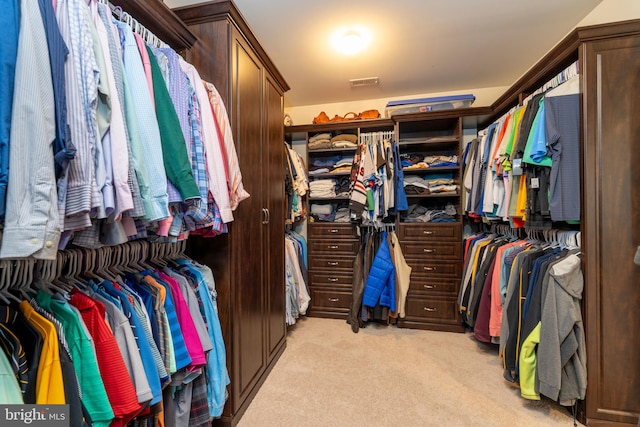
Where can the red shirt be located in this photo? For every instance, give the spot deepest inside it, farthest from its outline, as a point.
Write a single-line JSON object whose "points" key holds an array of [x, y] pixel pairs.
{"points": [[117, 382]]}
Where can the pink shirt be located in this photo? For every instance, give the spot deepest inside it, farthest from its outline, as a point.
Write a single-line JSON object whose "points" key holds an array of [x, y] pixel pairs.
{"points": [[189, 331]]}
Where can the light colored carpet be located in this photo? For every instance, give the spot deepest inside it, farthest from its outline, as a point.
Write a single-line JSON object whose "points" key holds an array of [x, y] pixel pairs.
{"points": [[386, 376]]}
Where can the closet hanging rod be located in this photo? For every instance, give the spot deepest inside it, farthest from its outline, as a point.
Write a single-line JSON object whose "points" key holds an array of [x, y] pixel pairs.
{"points": [[136, 26]]}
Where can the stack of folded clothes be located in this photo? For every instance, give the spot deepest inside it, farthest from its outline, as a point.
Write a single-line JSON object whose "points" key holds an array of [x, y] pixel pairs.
{"points": [[412, 161], [435, 183], [418, 161], [419, 213], [441, 161], [322, 188], [319, 141], [342, 214], [344, 140], [323, 164], [343, 165], [343, 187]]}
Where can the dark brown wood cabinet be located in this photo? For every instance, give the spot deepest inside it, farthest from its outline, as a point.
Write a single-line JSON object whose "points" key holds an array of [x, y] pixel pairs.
{"points": [[249, 261], [611, 218]]}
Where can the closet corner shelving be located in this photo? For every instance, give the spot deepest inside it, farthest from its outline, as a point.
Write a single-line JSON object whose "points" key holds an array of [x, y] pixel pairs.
{"points": [[333, 245], [432, 248]]}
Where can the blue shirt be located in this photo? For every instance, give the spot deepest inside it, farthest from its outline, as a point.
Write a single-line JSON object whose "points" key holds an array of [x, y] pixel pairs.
{"points": [[138, 99], [150, 371], [10, 24], [217, 375], [63, 151], [183, 359]]}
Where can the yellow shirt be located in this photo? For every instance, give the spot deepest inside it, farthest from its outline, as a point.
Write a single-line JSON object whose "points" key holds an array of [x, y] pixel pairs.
{"points": [[49, 384]]}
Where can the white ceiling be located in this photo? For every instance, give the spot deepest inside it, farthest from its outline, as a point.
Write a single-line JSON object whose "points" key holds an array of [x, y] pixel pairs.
{"points": [[418, 46]]}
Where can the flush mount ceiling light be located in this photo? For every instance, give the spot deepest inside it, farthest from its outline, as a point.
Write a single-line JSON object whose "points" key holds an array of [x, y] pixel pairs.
{"points": [[351, 40]]}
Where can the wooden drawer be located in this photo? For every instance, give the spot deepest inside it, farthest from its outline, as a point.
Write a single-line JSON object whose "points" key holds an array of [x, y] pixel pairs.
{"points": [[425, 286], [330, 300], [451, 232], [317, 262], [342, 279], [331, 231], [431, 309], [333, 246], [432, 250], [428, 268]]}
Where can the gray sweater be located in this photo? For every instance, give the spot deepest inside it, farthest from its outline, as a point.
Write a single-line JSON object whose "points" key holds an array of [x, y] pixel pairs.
{"points": [[562, 369]]}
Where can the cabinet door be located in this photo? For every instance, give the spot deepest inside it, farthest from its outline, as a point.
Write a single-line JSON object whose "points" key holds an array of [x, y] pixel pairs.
{"points": [[611, 216], [248, 307], [274, 168]]}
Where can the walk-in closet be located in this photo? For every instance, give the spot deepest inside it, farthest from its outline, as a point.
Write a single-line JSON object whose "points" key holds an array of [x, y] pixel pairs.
{"points": [[237, 213]]}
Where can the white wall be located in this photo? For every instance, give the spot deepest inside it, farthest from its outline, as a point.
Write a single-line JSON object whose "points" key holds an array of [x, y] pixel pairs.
{"points": [[607, 11]]}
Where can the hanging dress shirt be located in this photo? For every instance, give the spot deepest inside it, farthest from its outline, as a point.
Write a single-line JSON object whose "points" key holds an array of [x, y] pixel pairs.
{"points": [[32, 226], [149, 151]]}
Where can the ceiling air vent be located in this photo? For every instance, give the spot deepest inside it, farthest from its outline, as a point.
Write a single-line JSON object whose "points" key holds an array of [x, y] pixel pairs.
{"points": [[368, 81]]}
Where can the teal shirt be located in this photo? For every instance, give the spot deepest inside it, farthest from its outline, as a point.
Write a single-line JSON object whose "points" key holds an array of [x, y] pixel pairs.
{"points": [[536, 148], [94, 395], [9, 389]]}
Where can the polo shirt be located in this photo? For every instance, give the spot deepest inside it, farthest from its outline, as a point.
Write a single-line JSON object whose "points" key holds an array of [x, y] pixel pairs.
{"points": [[49, 383], [117, 382], [94, 395], [181, 354], [106, 288], [31, 342], [9, 389]]}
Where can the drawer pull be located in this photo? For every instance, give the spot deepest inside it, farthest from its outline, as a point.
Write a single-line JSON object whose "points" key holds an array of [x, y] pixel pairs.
{"points": [[334, 230], [332, 246], [333, 279], [430, 268], [430, 309], [429, 232], [430, 286], [429, 250], [332, 262], [334, 299]]}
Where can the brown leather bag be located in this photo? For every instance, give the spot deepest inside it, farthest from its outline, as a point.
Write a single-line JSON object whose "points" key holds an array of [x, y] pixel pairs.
{"points": [[321, 118], [337, 118], [351, 116], [370, 114]]}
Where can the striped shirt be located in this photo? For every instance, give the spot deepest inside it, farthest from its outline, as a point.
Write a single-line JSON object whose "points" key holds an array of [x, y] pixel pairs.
{"points": [[32, 226], [213, 149], [237, 191], [155, 199], [116, 63]]}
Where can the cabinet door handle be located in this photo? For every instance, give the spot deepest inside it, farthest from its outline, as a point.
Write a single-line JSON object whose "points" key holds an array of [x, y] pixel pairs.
{"points": [[264, 216], [429, 232], [430, 286], [332, 246], [332, 262], [429, 251], [334, 299], [333, 279], [430, 268], [430, 309], [268, 215], [333, 230]]}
